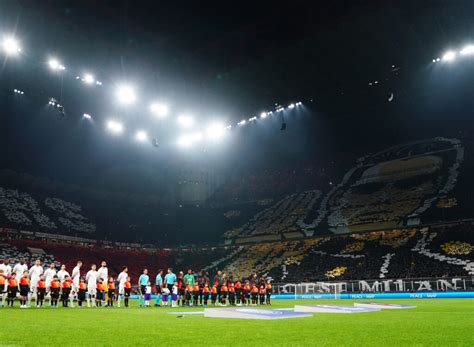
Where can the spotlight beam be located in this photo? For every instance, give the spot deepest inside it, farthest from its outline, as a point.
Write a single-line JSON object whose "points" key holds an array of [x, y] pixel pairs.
{"points": [[11, 46], [126, 95], [115, 127]]}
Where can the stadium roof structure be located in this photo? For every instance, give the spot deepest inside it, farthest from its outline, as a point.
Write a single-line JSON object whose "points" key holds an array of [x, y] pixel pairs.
{"points": [[349, 65]]}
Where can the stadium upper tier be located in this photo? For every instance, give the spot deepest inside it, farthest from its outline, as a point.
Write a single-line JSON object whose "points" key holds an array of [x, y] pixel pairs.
{"points": [[414, 184], [402, 253]]}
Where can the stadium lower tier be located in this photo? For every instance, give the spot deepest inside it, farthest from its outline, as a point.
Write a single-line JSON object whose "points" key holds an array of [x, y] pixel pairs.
{"points": [[443, 251]]}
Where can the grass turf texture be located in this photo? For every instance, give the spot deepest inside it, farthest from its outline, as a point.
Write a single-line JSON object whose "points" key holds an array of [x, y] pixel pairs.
{"points": [[434, 322]]}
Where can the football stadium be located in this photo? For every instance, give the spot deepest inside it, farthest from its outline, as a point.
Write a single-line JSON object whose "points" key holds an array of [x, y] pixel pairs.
{"points": [[230, 174]]}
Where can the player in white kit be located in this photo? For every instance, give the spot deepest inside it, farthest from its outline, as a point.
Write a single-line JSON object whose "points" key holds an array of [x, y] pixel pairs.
{"points": [[62, 273], [76, 275], [103, 274], [6, 267], [121, 278], [7, 271], [49, 273], [35, 272], [91, 279], [20, 268]]}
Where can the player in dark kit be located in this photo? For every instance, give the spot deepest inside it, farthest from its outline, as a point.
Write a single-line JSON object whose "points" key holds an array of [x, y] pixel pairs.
{"points": [[54, 291], [100, 293], [128, 290], [195, 294], [231, 291], [24, 289], [41, 291], [223, 296], [81, 293], [254, 294], [214, 294], [201, 281], [238, 292], [66, 290], [12, 290], [205, 293], [261, 292], [181, 289], [111, 292], [268, 289], [246, 293], [188, 294]]}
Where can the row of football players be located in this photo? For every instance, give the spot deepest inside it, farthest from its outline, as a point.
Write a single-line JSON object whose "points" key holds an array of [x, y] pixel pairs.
{"points": [[96, 288], [194, 290], [234, 294]]}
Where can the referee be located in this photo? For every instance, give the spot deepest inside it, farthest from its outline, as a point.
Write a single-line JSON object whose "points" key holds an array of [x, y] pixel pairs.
{"points": [[142, 283]]}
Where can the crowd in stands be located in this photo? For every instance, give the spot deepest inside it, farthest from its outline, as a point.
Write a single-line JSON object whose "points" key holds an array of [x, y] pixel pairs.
{"points": [[389, 189], [20, 209], [437, 251], [280, 217], [387, 254], [375, 204]]}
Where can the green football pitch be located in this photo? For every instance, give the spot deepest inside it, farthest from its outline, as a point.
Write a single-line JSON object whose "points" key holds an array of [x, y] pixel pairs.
{"points": [[434, 322]]}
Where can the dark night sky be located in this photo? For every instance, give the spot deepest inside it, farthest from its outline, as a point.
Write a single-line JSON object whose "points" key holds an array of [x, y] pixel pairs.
{"points": [[232, 59]]}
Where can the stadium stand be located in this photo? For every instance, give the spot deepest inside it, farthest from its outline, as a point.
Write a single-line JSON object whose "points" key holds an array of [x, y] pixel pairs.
{"points": [[437, 251], [280, 217], [401, 186], [382, 220], [404, 253], [20, 209], [13, 253], [392, 188]]}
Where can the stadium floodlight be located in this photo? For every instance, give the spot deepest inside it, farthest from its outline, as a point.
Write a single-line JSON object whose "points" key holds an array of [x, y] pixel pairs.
{"points": [[11, 46], [185, 120], [115, 127], [242, 122], [54, 64], [158, 109], [88, 78], [87, 116], [449, 56], [263, 115], [215, 131], [228, 127], [467, 50], [141, 135], [126, 95], [189, 139], [99, 83], [290, 106], [252, 119]]}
